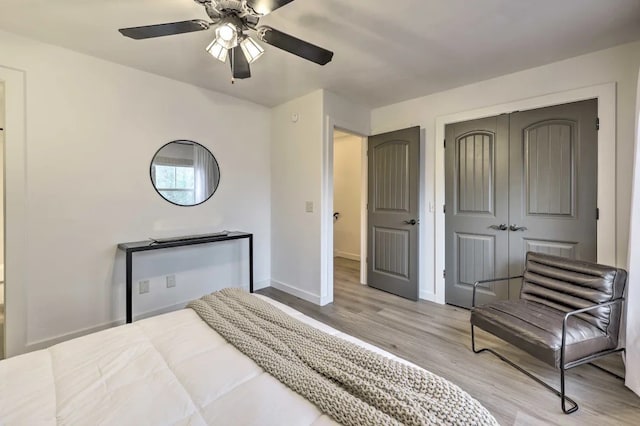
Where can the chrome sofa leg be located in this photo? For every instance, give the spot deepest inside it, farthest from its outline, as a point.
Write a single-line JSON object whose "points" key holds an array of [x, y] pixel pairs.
{"points": [[560, 393]]}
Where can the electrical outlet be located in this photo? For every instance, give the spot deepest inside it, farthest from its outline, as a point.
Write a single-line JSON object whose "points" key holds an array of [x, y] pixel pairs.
{"points": [[309, 206], [143, 287], [171, 281]]}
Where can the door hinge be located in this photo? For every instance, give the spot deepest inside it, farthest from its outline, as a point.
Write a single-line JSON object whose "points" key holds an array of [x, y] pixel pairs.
{"points": [[597, 214], [445, 143], [444, 208], [444, 273], [598, 123]]}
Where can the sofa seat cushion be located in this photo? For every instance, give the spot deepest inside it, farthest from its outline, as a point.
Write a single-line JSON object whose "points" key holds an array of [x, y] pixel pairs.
{"points": [[537, 329]]}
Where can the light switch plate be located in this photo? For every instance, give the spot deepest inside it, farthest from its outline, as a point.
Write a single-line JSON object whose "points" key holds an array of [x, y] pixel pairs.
{"points": [[309, 207], [143, 287], [171, 281]]}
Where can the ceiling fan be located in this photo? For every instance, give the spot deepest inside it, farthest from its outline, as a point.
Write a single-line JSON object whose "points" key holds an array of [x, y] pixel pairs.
{"points": [[230, 20]]}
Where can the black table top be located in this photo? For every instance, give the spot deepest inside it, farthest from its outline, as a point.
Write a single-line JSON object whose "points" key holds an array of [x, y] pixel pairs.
{"points": [[155, 244]]}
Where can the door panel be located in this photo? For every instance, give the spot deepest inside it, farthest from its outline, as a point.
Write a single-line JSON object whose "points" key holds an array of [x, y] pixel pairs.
{"points": [[390, 162], [394, 163], [549, 164], [476, 258], [474, 158], [476, 198], [553, 182], [391, 249], [555, 248]]}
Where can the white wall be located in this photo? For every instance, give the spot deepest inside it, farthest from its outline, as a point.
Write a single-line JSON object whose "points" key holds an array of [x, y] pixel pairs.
{"points": [[347, 183], [92, 130], [302, 162], [617, 64], [296, 158], [2, 125], [632, 329]]}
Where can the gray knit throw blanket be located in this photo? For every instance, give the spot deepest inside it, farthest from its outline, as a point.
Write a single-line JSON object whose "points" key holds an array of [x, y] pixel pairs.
{"points": [[351, 384]]}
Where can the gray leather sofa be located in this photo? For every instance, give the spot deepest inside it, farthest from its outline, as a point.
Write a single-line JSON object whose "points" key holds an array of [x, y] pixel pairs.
{"points": [[568, 314]]}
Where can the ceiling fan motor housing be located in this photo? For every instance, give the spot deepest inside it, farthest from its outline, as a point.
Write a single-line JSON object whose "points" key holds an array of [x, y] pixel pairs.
{"points": [[238, 6]]}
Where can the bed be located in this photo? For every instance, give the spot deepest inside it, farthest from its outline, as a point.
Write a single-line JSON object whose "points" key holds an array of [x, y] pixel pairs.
{"points": [[175, 369]]}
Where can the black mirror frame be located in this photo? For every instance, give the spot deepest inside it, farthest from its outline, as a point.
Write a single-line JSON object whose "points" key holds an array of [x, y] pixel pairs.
{"points": [[169, 201]]}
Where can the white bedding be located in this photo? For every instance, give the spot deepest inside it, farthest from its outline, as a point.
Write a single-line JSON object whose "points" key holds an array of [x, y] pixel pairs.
{"points": [[167, 370]]}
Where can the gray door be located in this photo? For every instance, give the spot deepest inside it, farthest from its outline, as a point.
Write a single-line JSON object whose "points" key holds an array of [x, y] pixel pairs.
{"points": [[542, 183], [394, 163], [553, 182], [477, 208]]}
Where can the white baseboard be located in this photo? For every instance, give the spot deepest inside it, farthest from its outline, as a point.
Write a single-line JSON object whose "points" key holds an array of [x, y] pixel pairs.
{"points": [[261, 284], [161, 311], [428, 296], [325, 300], [294, 291], [45, 343], [346, 255]]}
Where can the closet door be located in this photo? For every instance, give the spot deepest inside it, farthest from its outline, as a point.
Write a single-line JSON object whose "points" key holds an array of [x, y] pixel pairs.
{"points": [[476, 217], [553, 182]]}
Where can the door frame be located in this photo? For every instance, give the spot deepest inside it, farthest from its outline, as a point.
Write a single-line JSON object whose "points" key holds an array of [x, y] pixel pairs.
{"points": [[606, 226], [363, 200], [15, 200], [326, 213]]}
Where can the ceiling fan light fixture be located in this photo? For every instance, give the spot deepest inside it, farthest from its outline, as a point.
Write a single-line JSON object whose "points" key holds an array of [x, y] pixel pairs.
{"points": [[218, 51], [251, 49], [227, 35], [230, 20]]}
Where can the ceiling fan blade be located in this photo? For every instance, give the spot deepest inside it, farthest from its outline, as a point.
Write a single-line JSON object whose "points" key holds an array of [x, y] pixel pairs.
{"points": [[239, 64], [264, 7], [160, 30], [294, 45]]}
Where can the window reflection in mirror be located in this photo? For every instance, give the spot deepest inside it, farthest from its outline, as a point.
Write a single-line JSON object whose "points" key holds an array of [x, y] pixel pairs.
{"points": [[185, 173]]}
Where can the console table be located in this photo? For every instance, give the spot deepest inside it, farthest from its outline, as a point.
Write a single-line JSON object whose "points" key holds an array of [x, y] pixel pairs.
{"points": [[133, 247]]}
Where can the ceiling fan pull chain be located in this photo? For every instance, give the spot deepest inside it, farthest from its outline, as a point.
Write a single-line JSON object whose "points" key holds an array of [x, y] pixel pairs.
{"points": [[233, 74]]}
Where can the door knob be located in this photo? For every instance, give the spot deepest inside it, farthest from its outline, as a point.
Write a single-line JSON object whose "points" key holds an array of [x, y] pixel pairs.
{"points": [[411, 222], [501, 227], [515, 227]]}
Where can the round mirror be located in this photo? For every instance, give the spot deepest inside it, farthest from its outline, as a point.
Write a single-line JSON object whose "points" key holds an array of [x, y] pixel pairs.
{"points": [[185, 173]]}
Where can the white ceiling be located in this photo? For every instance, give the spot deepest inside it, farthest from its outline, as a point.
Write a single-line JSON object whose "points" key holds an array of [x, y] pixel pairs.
{"points": [[385, 51]]}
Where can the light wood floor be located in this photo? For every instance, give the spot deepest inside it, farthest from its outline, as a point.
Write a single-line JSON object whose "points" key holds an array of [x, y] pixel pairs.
{"points": [[437, 338]]}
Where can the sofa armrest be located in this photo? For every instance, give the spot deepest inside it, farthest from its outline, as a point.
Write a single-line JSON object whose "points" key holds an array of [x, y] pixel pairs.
{"points": [[477, 283], [579, 311]]}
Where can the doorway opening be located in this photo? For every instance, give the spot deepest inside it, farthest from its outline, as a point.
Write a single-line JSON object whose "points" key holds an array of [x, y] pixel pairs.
{"points": [[349, 210]]}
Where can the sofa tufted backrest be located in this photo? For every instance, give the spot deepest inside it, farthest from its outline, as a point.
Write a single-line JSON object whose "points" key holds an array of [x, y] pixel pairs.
{"points": [[567, 284]]}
